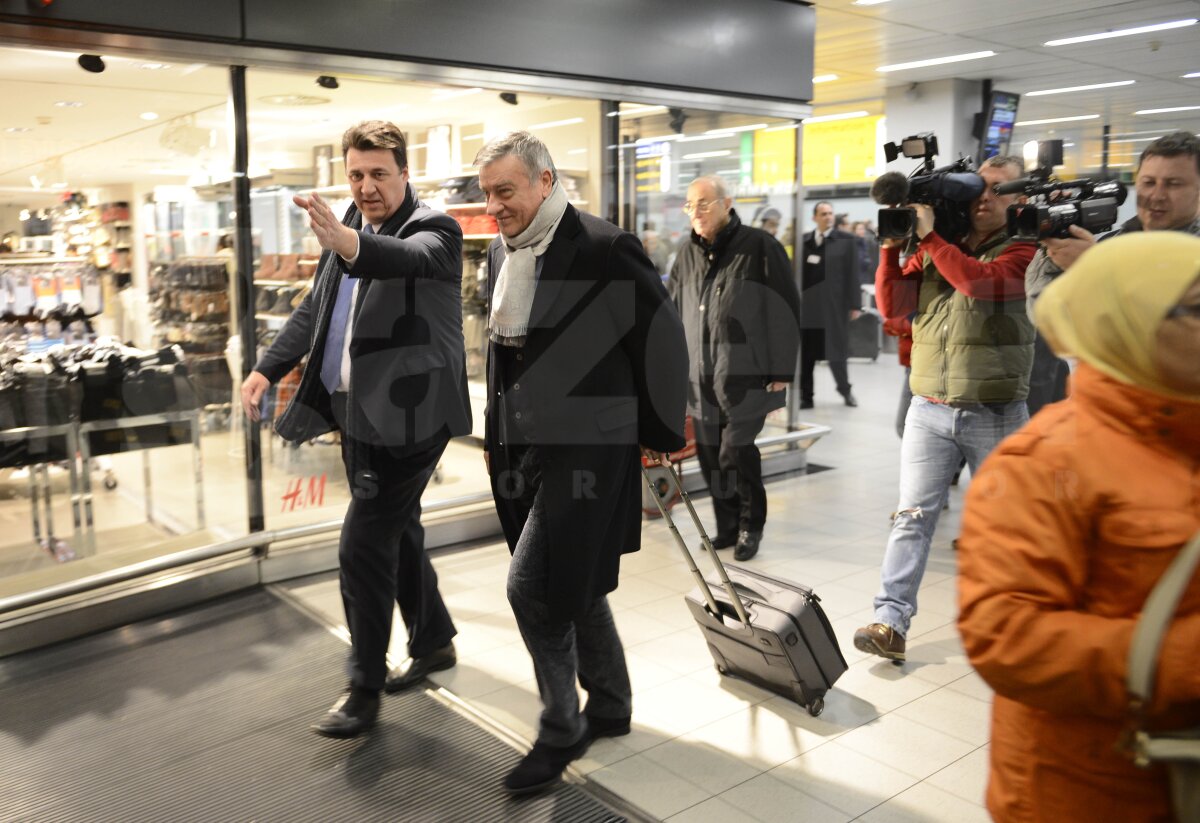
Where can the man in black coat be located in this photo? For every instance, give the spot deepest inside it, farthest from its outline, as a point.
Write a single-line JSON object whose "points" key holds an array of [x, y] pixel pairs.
{"points": [[831, 297], [382, 333], [586, 360], [734, 289]]}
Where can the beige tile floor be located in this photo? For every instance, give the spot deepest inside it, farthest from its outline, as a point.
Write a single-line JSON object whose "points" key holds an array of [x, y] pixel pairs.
{"points": [[893, 744]]}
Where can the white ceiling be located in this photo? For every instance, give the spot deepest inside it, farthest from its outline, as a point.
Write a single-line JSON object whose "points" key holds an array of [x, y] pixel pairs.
{"points": [[104, 141]]}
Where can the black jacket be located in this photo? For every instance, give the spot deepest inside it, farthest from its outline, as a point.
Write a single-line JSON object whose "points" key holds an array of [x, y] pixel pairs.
{"points": [[831, 289], [740, 311], [603, 369], [408, 380]]}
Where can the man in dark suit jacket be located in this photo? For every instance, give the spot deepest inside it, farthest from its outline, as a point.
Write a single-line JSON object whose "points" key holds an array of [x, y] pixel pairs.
{"points": [[830, 298], [382, 331], [586, 361]]}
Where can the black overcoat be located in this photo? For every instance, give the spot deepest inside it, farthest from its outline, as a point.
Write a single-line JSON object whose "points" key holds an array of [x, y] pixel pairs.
{"points": [[828, 294]]}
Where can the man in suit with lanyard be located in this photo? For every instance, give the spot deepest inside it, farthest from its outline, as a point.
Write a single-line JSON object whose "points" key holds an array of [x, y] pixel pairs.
{"points": [[586, 361], [830, 299], [382, 333]]}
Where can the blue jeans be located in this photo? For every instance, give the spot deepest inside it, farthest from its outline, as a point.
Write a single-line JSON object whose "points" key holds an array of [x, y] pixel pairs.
{"points": [[937, 438]]}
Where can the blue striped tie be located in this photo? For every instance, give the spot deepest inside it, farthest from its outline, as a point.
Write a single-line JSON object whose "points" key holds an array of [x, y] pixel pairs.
{"points": [[335, 338]]}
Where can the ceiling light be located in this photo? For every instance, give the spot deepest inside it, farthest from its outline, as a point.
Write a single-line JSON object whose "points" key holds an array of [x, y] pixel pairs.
{"points": [[1138, 140], [1104, 35], [937, 61], [1120, 165], [825, 118], [869, 2], [577, 151], [784, 127], [69, 104], [1068, 145], [1080, 88], [735, 129], [1130, 133], [633, 112], [570, 121], [450, 94], [824, 78], [1057, 120], [1166, 111], [18, 129], [91, 62], [700, 155], [1190, 76], [149, 115], [155, 66], [293, 100]]}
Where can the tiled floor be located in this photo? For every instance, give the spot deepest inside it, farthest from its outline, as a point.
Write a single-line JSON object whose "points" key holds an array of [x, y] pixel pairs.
{"points": [[893, 744]]}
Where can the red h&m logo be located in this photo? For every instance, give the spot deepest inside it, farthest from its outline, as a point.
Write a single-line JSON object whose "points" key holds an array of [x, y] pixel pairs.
{"points": [[295, 497]]}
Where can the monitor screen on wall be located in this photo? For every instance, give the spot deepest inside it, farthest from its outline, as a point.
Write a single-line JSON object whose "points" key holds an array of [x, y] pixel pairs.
{"points": [[998, 125]]}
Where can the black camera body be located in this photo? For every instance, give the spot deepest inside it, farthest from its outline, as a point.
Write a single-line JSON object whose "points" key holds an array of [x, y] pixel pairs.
{"points": [[1089, 204], [948, 190]]}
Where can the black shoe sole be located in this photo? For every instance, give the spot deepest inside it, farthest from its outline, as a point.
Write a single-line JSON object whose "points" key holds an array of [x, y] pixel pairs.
{"points": [[535, 789], [393, 687], [341, 734]]}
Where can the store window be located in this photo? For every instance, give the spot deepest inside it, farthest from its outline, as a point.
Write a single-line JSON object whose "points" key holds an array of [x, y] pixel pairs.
{"points": [[662, 149], [118, 434], [295, 127]]}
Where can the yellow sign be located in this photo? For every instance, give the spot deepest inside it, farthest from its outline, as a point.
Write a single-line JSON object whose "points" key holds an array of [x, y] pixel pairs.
{"points": [[774, 157], [842, 151]]}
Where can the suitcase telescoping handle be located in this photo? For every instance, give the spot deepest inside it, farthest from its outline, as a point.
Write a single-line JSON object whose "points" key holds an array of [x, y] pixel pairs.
{"points": [[687, 555]]}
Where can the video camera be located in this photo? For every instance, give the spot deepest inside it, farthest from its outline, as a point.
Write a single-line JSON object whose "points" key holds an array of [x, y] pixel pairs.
{"points": [[949, 190], [1090, 204]]}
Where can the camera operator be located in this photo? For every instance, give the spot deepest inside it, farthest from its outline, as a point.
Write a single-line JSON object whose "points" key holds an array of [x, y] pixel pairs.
{"points": [[971, 354], [1168, 199]]}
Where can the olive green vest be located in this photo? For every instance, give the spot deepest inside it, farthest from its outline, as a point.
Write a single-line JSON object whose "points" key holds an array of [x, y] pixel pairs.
{"points": [[967, 350]]}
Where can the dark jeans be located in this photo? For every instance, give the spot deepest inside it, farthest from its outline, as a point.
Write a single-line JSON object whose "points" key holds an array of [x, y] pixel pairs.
{"points": [[732, 469], [1048, 377], [383, 561], [812, 349], [587, 648]]}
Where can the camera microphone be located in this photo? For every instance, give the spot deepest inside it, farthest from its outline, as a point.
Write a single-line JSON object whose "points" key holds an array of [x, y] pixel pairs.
{"points": [[1014, 186], [890, 189]]}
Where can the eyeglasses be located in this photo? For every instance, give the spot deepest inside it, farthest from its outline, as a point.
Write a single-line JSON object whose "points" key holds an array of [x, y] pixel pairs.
{"points": [[1184, 310], [699, 207]]}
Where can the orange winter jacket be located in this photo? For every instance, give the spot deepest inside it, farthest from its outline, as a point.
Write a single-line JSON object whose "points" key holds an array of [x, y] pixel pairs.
{"points": [[1067, 527]]}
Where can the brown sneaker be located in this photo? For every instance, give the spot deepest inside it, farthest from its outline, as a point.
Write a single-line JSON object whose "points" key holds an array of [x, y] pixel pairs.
{"points": [[881, 640]]}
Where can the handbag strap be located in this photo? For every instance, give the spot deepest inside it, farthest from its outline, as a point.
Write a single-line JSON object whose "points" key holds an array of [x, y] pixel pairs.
{"points": [[1152, 625]]}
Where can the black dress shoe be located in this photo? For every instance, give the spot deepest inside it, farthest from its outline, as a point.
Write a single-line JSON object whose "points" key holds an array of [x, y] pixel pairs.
{"points": [[747, 545], [353, 714], [543, 766], [413, 670], [607, 727], [724, 541], [806, 404], [849, 399]]}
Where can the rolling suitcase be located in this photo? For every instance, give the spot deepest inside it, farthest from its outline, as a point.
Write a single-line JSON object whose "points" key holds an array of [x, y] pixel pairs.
{"points": [[762, 629], [866, 335]]}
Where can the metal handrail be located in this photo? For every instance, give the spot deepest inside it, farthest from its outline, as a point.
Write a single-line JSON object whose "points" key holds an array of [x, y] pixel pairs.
{"points": [[200, 553]]}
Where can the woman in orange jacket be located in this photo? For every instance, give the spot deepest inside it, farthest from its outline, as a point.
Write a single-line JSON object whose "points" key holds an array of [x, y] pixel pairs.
{"points": [[1069, 525]]}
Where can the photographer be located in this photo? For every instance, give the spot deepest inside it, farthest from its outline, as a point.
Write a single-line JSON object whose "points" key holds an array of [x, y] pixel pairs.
{"points": [[1168, 199], [971, 354]]}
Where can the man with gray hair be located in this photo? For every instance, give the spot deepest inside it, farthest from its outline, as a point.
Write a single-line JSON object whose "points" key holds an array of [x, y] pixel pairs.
{"points": [[734, 289], [586, 360]]}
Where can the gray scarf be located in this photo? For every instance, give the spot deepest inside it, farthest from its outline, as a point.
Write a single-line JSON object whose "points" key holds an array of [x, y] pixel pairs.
{"points": [[512, 299]]}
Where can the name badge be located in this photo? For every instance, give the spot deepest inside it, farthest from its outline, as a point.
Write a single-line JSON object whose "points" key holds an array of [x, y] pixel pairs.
{"points": [[814, 259]]}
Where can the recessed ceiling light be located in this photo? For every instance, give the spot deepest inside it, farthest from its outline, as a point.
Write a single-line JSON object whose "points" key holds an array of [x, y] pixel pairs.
{"points": [[294, 100], [784, 127], [1191, 75], [155, 66], [18, 129], [636, 110], [69, 104], [937, 61], [824, 78], [825, 118], [1080, 88], [735, 129], [570, 121], [149, 115], [869, 2], [700, 155], [1057, 120], [1068, 145], [1167, 111], [1104, 35]]}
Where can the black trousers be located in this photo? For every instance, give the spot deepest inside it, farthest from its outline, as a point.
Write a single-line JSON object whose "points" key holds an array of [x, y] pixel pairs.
{"points": [[812, 349], [382, 557], [732, 469]]}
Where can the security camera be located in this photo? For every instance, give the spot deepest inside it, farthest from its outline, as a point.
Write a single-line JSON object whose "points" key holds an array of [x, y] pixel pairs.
{"points": [[509, 97], [327, 82], [91, 62], [678, 118]]}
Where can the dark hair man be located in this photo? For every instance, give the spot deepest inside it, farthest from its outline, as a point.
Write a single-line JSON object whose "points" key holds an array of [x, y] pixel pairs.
{"points": [[1167, 184], [382, 331], [586, 361], [971, 353], [734, 289], [831, 300]]}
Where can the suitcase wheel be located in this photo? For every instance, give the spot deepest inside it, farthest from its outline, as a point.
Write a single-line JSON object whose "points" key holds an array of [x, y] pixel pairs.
{"points": [[720, 669], [816, 707]]}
